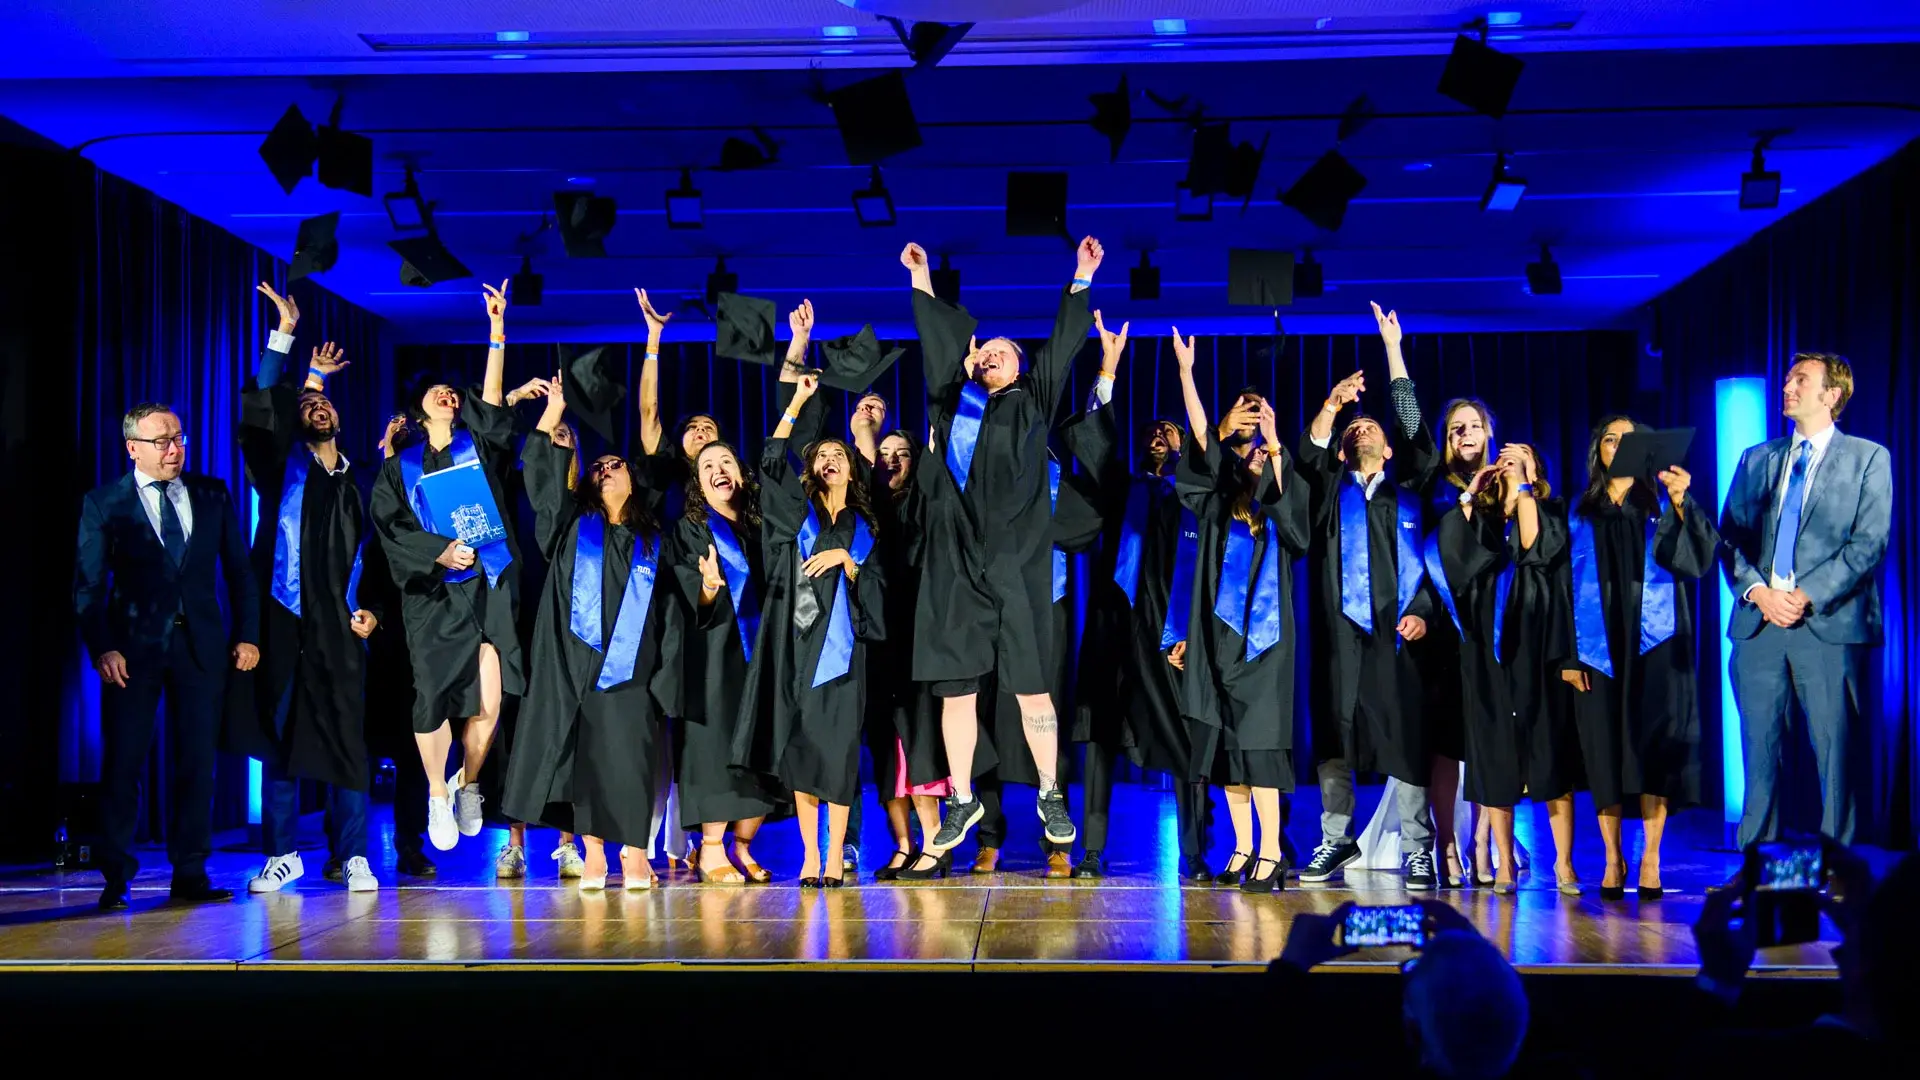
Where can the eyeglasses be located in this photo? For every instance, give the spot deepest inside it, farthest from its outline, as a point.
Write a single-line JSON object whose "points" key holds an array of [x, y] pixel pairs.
{"points": [[164, 442]]}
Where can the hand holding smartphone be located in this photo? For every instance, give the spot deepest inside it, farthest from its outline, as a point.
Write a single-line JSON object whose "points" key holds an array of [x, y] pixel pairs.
{"points": [[1369, 927]]}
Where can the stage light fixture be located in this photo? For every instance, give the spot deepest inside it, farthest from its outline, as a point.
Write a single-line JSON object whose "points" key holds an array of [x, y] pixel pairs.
{"points": [[1504, 190], [721, 280], [873, 205], [407, 209], [1309, 277], [1143, 281], [525, 288], [683, 204], [1543, 277], [1760, 189], [345, 159], [584, 220], [946, 282]]}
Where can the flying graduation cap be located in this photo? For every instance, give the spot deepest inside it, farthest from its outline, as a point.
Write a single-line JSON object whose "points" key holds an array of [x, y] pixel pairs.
{"points": [[426, 261], [1323, 191], [737, 153], [1113, 117], [1219, 166], [875, 118], [744, 329], [290, 148], [584, 220], [1479, 76], [855, 362], [592, 391], [316, 249], [928, 42]]}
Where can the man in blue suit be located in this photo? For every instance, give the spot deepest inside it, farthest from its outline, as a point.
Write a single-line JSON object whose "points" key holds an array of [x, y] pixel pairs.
{"points": [[1805, 527], [147, 594]]}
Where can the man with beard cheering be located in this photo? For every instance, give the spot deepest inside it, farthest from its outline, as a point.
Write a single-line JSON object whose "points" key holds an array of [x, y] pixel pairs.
{"points": [[306, 719]]}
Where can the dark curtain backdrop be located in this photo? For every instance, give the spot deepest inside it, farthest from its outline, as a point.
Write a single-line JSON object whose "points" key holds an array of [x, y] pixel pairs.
{"points": [[1840, 275], [145, 303]]}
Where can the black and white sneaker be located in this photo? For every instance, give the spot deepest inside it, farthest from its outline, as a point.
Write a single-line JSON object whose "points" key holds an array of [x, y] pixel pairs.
{"points": [[961, 818], [1418, 866], [1052, 806], [1328, 860]]}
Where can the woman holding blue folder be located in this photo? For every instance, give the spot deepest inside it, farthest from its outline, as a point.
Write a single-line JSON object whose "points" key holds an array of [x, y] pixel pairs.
{"points": [[438, 507], [589, 734]]}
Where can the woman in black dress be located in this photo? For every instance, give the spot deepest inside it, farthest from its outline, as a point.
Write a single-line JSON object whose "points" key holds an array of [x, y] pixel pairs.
{"points": [[1239, 653], [1497, 548], [457, 601], [1627, 647], [588, 739], [805, 700]]}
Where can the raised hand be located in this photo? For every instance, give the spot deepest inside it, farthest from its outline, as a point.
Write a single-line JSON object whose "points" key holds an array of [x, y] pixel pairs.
{"points": [[1245, 413], [973, 356], [327, 360], [1483, 477], [656, 322], [804, 388], [1090, 255], [496, 303], [457, 556], [533, 388], [1677, 481], [1389, 322], [1183, 350], [710, 577], [245, 656], [1268, 432], [289, 311], [1346, 391], [1112, 345], [914, 257], [1521, 456], [556, 404], [800, 319], [395, 425]]}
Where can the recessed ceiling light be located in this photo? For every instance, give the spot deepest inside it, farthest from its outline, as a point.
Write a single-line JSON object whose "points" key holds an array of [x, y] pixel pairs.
{"points": [[509, 56], [582, 181], [1169, 26], [836, 52], [1417, 166], [1505, 37], [840, 31], [511, 35], [1503, 18]]}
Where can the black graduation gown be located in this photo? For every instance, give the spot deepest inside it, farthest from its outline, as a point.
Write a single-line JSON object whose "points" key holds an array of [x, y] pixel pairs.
{"points": [[316, 652], [1639, 730], [1516, 744], [585, 759], [899, 707], [805, 735], [1245, 708], [1364, 692], [709, 684], [446, 623], [1419, 466], [986, 587]]}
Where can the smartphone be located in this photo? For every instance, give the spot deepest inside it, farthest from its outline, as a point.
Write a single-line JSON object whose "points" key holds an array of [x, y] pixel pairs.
{"points": [[1786, 880], [1364, 927], [1789, 868]]}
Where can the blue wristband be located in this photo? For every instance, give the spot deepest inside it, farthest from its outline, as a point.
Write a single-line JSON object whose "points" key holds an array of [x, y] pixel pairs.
{"points": [[496, 344], [1087, 281]]}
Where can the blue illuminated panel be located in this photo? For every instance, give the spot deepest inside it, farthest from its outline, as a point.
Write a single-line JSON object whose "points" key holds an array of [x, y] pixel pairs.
{"points": [[253, 764], [1739, 421]]}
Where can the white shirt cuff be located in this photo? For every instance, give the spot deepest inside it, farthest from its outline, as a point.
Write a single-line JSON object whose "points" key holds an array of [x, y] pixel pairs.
{"points": [[1321, 443], [1748, 595], [1102, 392], [279, 342]]}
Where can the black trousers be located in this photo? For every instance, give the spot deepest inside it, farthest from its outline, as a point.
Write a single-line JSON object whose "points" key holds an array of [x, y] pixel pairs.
{"points": [[128, 720], [1192, 807]]}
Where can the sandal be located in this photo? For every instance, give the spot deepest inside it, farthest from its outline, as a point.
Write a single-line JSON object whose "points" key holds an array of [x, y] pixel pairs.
{"points": [[629, 880], [727, 875], [750, 870]]}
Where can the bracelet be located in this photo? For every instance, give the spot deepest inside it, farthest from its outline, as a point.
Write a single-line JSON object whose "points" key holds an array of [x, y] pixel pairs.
{"points": [[316, 373], [496, 344], [790, 418], [651, 355], [1087, 281], [1524, 488]]}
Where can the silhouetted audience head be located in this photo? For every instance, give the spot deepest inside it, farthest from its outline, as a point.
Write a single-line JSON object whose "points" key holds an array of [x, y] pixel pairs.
{"points": [[1464, 1008], [1879, 958]]}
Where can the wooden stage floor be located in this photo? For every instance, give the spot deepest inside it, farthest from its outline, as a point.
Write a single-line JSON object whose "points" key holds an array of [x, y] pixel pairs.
{"points": [[1138, 918]]}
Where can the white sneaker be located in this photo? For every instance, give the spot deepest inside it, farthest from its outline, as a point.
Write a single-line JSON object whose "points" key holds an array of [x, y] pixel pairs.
{"points": [[280, 871], [467, 801], [571, 864], [512, 863], [360, 876], [441, 830]]}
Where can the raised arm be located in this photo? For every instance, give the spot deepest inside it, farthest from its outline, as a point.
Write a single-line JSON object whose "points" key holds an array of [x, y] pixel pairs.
{"points": [[945, 330], [493, 388], [267, 421], [1071, 321], [651, 430], [783, 498], [1344, 393], [1189, 392], [1278, 492], [545, 466]]}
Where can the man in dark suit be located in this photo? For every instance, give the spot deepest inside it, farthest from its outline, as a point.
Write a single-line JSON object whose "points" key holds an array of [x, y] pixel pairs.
{"points": [[1805, 527], [146, 591]]}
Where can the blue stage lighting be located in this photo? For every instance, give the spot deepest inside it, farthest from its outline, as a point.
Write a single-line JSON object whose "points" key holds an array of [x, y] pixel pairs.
{"points": [[1739, 421]]}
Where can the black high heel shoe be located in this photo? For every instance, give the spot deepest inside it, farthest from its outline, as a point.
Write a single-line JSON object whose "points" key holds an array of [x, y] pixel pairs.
{"points": [[942, 866], [890, 872], [810, 883], [1616, 892], [832, 883], [1275, 881], [1231, 875]]}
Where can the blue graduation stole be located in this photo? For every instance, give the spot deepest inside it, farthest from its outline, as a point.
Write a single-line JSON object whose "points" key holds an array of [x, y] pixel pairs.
{"points": [[1186, 554], [1590, 613], [739, 575], [630, 621], [1059, 557], [836, 653], [1502, 591], [964, 433], [1356, 581], [1437, 573], [494, 556], [1258, 623], [286, 538]]}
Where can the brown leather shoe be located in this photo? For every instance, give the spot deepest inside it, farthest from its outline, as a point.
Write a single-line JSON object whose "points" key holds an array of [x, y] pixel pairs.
{"points": [[1059, 865], [987, 861]]}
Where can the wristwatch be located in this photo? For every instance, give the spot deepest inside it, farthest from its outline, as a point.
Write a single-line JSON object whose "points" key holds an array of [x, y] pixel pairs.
{"points": [[1466, 498]]}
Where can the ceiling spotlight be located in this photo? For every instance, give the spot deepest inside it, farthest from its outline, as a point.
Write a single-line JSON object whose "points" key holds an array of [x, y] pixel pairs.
{"points": [[1543, 277], [1760, 189], [1504, 190], [946, 282], [526, 286], [584, 220], [683, 204], [345, 160], [874, 205], [1143, 281], [721, 280], [406, 209], [1309, 277]]}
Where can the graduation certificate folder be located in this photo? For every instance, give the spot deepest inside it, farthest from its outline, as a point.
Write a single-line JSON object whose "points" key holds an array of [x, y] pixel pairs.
{"points": [[460, 504]]}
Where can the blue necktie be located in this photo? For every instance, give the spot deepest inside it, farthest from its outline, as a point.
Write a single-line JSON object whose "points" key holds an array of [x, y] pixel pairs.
{"points": [[1789, 531], [175, 538]]}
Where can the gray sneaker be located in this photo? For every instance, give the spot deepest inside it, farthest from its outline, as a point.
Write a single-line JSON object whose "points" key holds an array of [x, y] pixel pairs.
{"points": [[512, 863], [467, 809], [1053, 811]]}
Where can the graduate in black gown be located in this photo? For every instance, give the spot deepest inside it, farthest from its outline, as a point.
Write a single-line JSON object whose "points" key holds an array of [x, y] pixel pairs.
{"points": [[986, 588], [1627, 647], [1369, 600], [590, 724], [1497, 551], [301, 711], [805, 702], [457, 601], [1238, 656]]}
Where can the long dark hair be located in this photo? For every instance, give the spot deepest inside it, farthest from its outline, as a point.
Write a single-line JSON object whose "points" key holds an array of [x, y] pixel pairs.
{"points": [[1641, 495], [634, 515], [913, 474], [858, 497], [680, 434], [1240, 508], [1452, 471], [697, 508]]}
